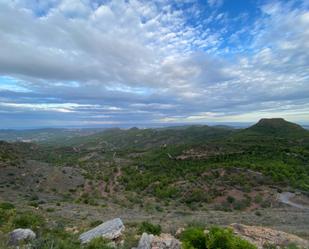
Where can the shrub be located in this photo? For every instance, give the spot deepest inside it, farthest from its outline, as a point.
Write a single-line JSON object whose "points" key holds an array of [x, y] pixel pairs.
{"points": [[271, 246], [149, 228], [28, 220], [266, 204], [95, 223], [230, 199], [6, 206], [6, 215], [34, 204], [216, 238], [258, 199], [193, 238], [197, 195], [34, 197], [224, 239], [242, 204], [130, 239], [258, 213], [98, 243], [51, 241]]}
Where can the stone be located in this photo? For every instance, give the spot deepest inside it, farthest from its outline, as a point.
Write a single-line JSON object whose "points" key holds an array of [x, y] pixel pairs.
{"points": [[164, 241], [261, 236], [21, 235], [111, 230], [145, 241], [73, 230], [180, 231]]}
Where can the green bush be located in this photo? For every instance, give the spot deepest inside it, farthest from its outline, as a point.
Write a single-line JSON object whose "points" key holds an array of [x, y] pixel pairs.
{"points": [[230, 199], [6, 216], [193, 238], [197, 195], [50, 241], [149, 228], [242, 204], [95, 223], [216, 238], [28, 220], [271, 246], [219, 238], [98, 243], [6, 206]]}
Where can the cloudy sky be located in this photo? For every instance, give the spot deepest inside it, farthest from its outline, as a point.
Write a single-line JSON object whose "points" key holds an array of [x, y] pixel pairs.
{"points": [[132, 62]]}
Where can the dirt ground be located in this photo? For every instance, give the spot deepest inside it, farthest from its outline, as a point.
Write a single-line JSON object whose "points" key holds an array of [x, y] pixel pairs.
{"points": [[287, 219]]}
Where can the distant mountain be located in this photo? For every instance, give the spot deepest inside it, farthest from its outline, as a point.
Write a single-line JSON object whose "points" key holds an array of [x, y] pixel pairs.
{"points": [[50, 135], [150, 138], [277, 127]]}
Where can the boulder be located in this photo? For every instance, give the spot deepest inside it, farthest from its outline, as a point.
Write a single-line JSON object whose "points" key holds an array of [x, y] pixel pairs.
{"points": [[111, 229], [21, 235], [164, 241], [260, 236], [145, 241]]}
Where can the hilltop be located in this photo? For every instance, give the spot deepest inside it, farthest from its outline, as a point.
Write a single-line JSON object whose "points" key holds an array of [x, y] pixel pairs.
{"points": [[278, 127]]}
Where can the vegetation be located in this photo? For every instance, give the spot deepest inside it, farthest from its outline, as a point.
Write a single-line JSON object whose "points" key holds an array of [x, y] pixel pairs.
{"points": [[154, 170], [215, 238], [146, 227]]}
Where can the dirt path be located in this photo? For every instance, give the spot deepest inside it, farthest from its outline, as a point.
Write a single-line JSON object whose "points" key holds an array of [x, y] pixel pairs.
{"points": [[285, 198], [114, 182]]}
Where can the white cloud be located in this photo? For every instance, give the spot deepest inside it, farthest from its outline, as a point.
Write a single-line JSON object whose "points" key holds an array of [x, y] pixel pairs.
{"points": [[147, 61], [215, 3]]}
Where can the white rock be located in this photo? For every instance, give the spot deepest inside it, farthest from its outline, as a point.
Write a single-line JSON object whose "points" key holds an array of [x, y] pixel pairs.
{"points": [[19, 235], [111, 229], [145, 241], [164, 241]]}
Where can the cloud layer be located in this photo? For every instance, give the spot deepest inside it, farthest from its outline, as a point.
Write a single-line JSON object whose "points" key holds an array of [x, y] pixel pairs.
{"points": [[84, 63]]}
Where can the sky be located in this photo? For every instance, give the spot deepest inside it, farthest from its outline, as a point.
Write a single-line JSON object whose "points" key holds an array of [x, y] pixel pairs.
{"points": [[85, 63]]}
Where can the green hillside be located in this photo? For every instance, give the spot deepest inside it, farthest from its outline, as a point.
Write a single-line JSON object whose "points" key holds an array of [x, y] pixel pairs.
{"points": [[277, 127], [143, 139], [177, 165]]}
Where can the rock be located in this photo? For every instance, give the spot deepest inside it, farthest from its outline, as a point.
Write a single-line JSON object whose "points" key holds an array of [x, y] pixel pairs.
{"points": [[262, 236], [180, 231], [145, 241], [73, 230], [19, 235], [111, 229], [164, 241]]}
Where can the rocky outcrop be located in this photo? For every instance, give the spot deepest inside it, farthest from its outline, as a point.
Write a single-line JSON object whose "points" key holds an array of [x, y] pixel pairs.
{"points": [[262, 236], [164, 241], [21, 235], [111, 229], [145, 241]]}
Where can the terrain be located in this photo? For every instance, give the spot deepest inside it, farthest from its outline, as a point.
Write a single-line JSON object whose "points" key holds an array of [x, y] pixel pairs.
{"points": [[176, 176]]}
